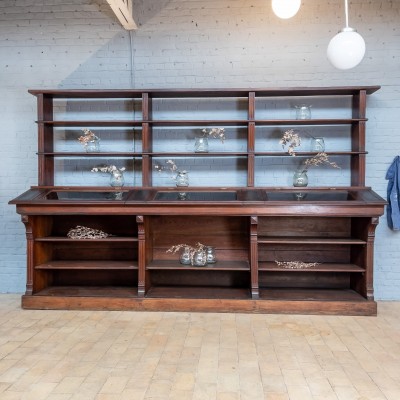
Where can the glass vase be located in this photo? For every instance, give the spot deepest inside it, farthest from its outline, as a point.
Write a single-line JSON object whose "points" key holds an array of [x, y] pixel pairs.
{"points": [[300, 179], [211, 259], [201, 145], [117, 179], [93, 146], [182, 179], [303, 112], [185, 256], [317, 144], [199, 258]]}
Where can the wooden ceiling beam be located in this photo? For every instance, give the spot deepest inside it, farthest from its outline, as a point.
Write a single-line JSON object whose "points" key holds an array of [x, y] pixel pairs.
{"points": [[123, 10]]}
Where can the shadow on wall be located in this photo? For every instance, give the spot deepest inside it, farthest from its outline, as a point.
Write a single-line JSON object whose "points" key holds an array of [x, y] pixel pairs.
{"points": [[145, 10]]}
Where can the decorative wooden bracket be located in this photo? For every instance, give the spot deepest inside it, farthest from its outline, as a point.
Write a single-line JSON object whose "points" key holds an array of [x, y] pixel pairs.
{"points": [[123, 10]]}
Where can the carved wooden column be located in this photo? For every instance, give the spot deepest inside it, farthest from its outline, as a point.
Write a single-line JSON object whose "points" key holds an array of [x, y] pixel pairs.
{"points": [[29, 254], [369, 269]]}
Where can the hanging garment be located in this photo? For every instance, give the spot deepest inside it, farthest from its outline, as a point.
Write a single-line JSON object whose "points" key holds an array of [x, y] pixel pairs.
{"points": [[393, 195]]}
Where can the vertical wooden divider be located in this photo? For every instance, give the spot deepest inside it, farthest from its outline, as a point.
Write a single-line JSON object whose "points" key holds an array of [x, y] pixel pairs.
{"points": [[141, 256], [255, 293], [251, 140], [45, 140], [358, 139], [146, 141]]}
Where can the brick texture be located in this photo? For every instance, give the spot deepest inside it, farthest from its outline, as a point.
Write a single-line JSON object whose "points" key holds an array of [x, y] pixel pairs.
{"points": [[194, 44]]}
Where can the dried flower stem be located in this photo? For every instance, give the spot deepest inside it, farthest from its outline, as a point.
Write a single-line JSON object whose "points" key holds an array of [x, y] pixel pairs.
{"points": [[192, 249], [318, 159], [216, 133], [296, 264], [292, 139]]}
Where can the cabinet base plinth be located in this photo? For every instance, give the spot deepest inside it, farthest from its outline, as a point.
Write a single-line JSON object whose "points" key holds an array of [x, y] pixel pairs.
{"points": [[362, 308]]}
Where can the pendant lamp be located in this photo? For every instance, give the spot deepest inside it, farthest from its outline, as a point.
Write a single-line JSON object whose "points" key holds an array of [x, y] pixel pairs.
{"points": [[347, 48], [285, 8]]}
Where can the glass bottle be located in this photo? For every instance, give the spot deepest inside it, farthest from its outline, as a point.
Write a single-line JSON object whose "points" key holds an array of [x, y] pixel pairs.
{"points": [[93, 146], [303, 112], [211, 259], [317, 144], [300, 179], [201, 145], [185, 256], [117, 179], [200, 258], [182, 179]]}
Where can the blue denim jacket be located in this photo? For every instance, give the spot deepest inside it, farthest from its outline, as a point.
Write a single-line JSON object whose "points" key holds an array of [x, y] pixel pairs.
{"points": [[393, 195]]}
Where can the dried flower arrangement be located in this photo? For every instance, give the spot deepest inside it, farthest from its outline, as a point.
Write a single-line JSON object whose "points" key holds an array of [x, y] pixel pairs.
{"points": [[296, 264], [292, 139], [110, 169], [318, 159], [88, 136], [191, 249], [216, 133], [171, 167], [83, 232]]}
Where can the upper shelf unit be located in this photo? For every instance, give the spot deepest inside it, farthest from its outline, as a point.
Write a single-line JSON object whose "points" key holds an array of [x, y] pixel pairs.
{"points": [[142, 128]]}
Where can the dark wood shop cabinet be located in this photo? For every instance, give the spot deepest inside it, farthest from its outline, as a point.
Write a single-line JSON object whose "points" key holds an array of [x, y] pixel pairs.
{"points": [[252, 225]]}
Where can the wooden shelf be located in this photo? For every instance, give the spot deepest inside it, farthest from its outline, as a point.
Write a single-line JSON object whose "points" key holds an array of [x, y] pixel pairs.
{"points": [[306, 122], [308, 153], [66, 239], [89, 291], [323, 267], [308, 240], [311, 294], [91, 123], [90, 154], [195, 292], [88, 265], [218, 266]]}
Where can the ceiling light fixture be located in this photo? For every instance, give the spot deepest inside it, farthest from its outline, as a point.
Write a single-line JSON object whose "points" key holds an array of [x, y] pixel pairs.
{"points": [[347, 48], [285, 8]]}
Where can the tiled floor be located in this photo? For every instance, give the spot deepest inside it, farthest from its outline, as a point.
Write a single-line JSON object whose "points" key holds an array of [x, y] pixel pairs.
{"points": [[60, 355]]}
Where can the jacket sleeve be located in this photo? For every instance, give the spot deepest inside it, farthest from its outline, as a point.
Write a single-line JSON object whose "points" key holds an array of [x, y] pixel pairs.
{"points": [[393, 198]]}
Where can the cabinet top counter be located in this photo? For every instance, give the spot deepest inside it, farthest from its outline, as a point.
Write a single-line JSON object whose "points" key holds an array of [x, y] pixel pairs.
{"points": [[171, 93], [202, 201]]}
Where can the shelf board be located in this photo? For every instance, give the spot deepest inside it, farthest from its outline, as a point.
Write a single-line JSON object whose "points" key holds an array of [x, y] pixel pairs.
{"points": [[300, 294], [197, 292], [218, 266], [77, 123], [307, 240], [66, 239], [308, 153], [199, 154], [88, 265], [91, 154], [306, 122], [198, 122], [323, 267], [89, 291]]}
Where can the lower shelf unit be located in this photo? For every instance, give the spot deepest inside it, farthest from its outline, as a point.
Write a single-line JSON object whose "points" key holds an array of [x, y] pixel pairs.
{"points": [[272, 257]]}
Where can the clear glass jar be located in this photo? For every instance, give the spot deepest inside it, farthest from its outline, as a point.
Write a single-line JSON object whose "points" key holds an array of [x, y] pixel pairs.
{"points": [[182, 179], [317, 144], [93, 146], [185, 256], [201, 145], [117, 179], [211, 259], [300, 179], [303, 111], [199, 258]]}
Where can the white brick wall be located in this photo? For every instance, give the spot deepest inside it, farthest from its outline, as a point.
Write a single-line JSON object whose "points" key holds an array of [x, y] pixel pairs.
{"points": [[181, 43]]}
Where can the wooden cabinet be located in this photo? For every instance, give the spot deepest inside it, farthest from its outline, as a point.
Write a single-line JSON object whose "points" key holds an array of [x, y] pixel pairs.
{"points": [[240, 201]]}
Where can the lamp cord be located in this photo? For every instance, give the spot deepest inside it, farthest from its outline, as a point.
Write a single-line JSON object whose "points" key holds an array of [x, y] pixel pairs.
{"points": [[346, 6]]}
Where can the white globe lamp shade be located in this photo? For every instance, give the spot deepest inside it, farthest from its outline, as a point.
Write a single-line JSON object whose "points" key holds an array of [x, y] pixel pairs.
{"points": [[346, 49], [285, 8]]}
